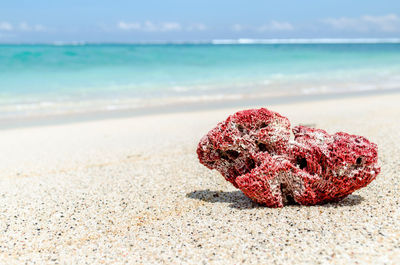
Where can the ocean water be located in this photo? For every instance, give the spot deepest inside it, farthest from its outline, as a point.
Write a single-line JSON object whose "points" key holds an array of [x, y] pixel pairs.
{"points": [[56, 79]]}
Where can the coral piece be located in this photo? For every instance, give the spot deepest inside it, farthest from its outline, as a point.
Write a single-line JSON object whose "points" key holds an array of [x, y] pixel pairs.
{"points": [[252, 150]]}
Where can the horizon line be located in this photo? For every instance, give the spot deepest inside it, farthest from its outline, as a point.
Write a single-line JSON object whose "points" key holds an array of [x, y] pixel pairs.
{"points": [[225, 41]]}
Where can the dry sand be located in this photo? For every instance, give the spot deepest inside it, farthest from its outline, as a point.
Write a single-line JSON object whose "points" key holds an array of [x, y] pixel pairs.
{"points": [[131, 190]]}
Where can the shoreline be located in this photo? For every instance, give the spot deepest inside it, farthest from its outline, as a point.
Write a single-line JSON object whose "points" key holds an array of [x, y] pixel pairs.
{"points": [[22, 122]]}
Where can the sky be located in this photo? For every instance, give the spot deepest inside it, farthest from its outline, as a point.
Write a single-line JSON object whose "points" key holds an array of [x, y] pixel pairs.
{"points": [[42, 21]]}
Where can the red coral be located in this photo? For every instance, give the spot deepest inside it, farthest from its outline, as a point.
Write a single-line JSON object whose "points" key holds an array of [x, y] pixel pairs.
{"points": [[251, 149]]}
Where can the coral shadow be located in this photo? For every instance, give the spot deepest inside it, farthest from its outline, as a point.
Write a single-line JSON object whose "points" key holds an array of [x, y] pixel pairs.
{"points": [[238, 200], [351, 200]]}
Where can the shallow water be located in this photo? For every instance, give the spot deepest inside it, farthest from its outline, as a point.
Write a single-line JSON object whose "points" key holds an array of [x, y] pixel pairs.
{"points": [[44, 79]]}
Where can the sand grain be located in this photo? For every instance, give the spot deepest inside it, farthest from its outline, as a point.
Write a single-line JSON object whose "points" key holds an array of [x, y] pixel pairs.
{"points": [[131, 190]]}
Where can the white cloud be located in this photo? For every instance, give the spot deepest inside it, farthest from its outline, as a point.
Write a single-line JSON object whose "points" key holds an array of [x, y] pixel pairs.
{"points": [[129, 26], [276, 26], [196, 27], [170, 26], [23, 26], [6, 26], [238, 27], [271, 26], [387, 23], [150, 26], [345, 23]]}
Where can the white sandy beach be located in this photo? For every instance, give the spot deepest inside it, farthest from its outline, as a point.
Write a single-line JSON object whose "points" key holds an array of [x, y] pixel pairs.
{"points": [[131, 190]]}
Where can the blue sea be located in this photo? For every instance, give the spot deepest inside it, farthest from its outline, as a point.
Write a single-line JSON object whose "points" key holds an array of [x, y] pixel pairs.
{"points": [[58, 79]]}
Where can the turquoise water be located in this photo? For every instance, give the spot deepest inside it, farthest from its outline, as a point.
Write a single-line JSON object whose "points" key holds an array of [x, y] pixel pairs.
{"points": [[56, 79]]}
